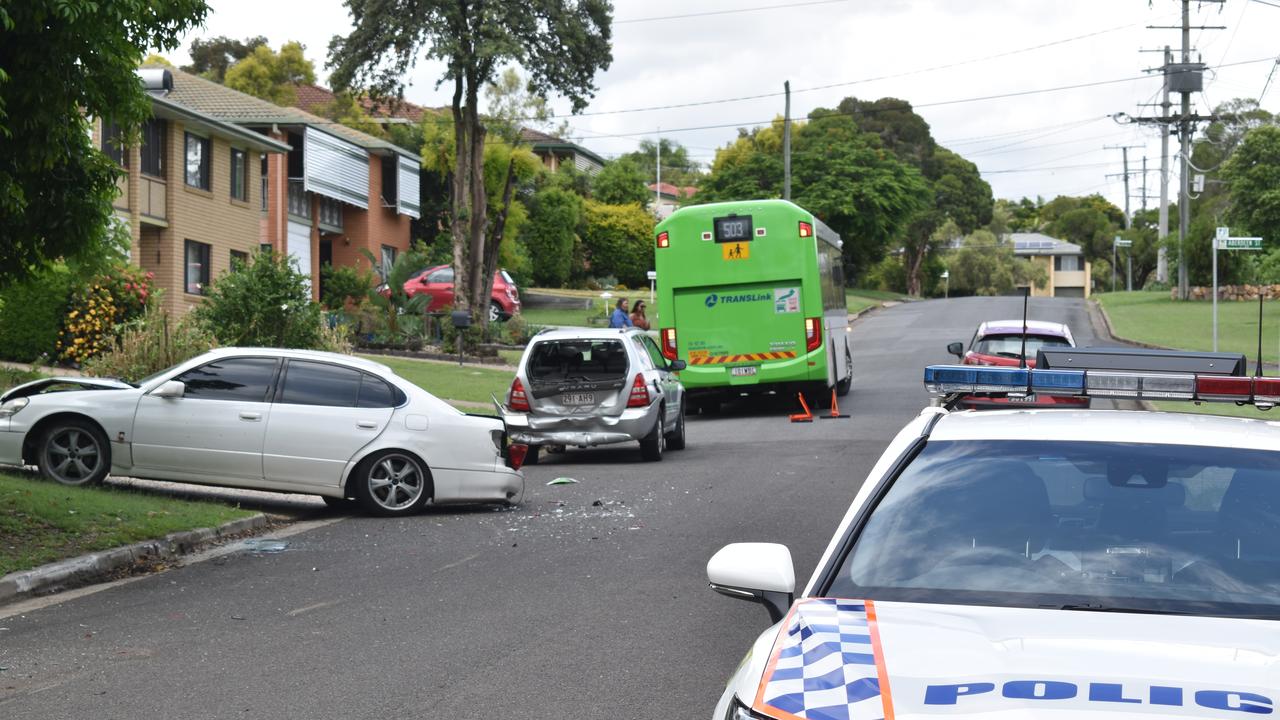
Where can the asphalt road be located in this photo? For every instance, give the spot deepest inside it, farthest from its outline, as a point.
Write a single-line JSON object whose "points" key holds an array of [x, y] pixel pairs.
{"points": [[589, 601]]}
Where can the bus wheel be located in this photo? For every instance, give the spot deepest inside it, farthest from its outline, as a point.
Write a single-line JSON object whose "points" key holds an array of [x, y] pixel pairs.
{"points": [[707, 406], [843, 387], [817, 395]]}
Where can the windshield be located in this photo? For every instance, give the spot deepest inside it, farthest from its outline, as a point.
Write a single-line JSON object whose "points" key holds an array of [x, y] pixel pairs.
{"points": [[559, 360], [1011, 345], [1105, 526]]}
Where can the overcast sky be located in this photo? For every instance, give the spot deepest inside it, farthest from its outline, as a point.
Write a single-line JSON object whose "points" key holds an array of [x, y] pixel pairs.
{"points": [[1038, 144]]}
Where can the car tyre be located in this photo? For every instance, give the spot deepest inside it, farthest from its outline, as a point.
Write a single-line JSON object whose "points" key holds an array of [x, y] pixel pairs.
{"points": [[391, 483], [74, 452], [843, 386], [495, 311], [652, 445], [675, 440], [531, 456]]}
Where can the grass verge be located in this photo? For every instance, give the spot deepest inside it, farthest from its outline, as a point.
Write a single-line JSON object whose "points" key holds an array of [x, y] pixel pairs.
{"points": [[10, 377], [42, 522], [1226, 409], [1151, 317], [469, 383]]}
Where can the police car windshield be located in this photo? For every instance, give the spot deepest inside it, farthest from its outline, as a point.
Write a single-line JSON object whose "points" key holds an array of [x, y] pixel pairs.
{"points": [[1078, 526]]}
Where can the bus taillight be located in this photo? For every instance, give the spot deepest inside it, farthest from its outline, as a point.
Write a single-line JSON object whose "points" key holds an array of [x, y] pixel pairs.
{"points": [[806, 230], [669, 343], [812, 333], [664, 240]]}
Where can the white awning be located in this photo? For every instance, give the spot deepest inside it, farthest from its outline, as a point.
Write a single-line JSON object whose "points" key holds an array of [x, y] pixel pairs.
{"points": [[408, 197], [335, 168]]}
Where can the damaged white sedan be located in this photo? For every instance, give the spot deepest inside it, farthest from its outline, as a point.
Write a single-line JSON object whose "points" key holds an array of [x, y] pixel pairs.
{"points": [[295, 421]]}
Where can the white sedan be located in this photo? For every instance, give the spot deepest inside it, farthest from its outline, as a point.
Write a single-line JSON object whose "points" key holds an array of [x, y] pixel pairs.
{"points": [[1037, 563], [287, 420]]}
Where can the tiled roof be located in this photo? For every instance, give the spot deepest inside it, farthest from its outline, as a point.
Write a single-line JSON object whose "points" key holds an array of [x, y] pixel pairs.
{"points": [[535, 137], [313, 97], [674, 191], [233, 106], [310, 97]]}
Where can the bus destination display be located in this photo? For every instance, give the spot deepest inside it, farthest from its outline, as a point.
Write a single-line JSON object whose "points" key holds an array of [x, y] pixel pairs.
{"points": [[735, 228]]}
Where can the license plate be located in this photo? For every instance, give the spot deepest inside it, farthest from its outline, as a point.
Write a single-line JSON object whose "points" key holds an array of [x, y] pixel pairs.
{"points": [[1023, 399], [578, 399], [743, 371]]}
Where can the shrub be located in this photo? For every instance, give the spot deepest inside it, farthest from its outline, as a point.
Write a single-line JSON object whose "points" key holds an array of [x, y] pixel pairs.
{"points": [[345, 283], [265, 303], [31, 314], [619, 241], [150, 344], [549, 235], [97, 309]]}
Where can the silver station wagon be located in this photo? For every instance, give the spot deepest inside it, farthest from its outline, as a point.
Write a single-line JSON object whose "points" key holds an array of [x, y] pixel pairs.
{"points": [[578, 387]]}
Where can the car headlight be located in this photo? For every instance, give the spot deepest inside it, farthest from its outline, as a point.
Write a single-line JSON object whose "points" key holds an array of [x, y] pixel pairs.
{"points": [[738, 711], [8, 409]]}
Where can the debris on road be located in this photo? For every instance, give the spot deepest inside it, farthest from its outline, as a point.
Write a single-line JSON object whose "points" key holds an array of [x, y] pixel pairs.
{"points": [[563, 481], [266, 545]]}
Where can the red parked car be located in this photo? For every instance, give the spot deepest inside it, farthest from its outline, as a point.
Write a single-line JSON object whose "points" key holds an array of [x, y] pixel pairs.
{"points": [[1000, 342], [437, 282]]}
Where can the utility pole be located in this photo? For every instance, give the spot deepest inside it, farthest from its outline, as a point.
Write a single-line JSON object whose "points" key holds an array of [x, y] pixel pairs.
{"points": [[1162, 231], [1124, 149], [1144, 183], [657, 188], [786, 144]]}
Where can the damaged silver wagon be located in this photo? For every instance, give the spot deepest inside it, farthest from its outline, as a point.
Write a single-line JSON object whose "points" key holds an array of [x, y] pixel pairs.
{"points": [[582, 388]]}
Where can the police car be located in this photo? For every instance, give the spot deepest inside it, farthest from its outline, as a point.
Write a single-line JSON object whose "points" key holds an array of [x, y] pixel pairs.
{"points": [[1038, 563]]}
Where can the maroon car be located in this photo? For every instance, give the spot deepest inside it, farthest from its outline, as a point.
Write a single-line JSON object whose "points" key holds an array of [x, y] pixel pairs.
{"points": [[437, 282], [1000, 342]]}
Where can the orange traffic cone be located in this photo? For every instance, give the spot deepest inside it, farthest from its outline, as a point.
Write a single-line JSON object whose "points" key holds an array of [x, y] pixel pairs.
{"points": [[806, 416], [835, 408]]}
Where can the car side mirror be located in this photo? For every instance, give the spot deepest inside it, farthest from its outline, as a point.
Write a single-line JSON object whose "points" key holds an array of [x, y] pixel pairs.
{"points": [[759, 572], [173, 389], [956, 349], [677, 365]]}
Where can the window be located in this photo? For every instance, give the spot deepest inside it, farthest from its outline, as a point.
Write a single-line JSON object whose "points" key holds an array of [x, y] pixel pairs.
{"points": [[197, 161], [264, 175], [239, 259], [388, 259], [554, 361], [330, 213], [265, 248], [309, 383], [197, 273], [1066, 263], [112, 143], [654, 353], [152, 150], [375, 393], [390, 166], [1011, 345], [239, 174], [444, 275], [238, 379]]}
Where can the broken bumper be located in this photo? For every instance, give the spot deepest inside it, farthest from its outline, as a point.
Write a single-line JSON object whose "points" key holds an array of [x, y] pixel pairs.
{"points": [[580, 431]]}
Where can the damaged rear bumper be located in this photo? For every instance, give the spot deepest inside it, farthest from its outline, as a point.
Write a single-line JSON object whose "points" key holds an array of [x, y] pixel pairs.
{"points": [[580, 431]]}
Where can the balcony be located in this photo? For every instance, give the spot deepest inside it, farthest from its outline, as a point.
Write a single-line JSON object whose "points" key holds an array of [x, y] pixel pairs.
{"points": [[299, 200], [151, 200], [330, 215]]}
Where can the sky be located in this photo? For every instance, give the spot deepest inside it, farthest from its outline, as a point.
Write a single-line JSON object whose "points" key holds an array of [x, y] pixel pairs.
{"points": [[947, 58]]}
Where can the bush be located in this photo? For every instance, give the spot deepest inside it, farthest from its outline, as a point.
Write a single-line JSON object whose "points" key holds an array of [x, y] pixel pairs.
{"points": [[150, 344], [97, 309], [549, 235], [343, 284], [31, 314], [264, 303], [618, 240]]}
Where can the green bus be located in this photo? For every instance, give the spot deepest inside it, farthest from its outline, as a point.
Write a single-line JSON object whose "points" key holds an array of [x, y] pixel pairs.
{"points": [[751, 296]]}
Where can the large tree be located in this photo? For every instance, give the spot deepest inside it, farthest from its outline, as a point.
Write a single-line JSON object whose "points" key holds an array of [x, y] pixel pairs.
{"points": [[1253, 174], [677, 167], [211, 58], [272, 75], [61, 63], [560, 44]]}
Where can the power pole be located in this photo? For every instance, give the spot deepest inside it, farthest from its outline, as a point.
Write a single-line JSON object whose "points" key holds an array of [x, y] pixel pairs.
{"points": [[786, 145], [1124, 149], [1144, 183], [657, 190], [1162, 232]]}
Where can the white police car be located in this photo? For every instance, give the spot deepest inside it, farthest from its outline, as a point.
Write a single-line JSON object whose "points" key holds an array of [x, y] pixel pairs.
{"points": [[1038, 563]]}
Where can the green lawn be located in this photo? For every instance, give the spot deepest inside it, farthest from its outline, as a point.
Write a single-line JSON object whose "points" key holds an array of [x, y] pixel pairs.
{"points": [[882, 295], [1217, 408], [42, 522], [1151, 317], [9, 377], [448, 381]]}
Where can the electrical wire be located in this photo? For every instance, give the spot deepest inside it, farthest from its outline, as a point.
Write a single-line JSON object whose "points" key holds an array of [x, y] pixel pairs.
{"points": [[727, 12]]}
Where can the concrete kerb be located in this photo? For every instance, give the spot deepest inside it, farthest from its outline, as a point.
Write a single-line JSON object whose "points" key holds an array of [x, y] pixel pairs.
{"points": [[90, 568]]}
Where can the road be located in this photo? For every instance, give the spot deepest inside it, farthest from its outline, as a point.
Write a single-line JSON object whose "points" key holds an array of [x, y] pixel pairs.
{"points": [[589, 601]]}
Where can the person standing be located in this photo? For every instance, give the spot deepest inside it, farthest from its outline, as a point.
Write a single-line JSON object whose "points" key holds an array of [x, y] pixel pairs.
{"points": [[637, 316], [620, 318]]}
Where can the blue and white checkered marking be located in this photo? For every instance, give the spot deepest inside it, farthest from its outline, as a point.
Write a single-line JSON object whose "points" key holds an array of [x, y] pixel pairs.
{"points": [[826, 668]]}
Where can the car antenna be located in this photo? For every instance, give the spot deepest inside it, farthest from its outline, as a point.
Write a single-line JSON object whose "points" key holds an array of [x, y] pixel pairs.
{"points": [[1258, 372], [1023, 355]]}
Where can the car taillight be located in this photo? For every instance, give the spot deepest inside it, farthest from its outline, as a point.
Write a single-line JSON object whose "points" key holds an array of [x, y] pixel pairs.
{"points": [[664, 240], [812, 333], [516, 398], [639, 393], [806, 230], [669, 343], [516, 454]]}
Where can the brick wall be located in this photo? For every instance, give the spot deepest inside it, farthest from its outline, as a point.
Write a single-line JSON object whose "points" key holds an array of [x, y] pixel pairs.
{"points": [[371, 229]]}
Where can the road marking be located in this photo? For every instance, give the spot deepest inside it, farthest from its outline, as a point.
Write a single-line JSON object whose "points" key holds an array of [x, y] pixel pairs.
{"points": [[309, 608], [463, 561]]}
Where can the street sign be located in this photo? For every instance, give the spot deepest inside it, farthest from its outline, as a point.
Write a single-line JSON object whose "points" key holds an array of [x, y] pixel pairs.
{"points": [[1240, 243], [1123, 243], [653, 275], [1223, 232]]}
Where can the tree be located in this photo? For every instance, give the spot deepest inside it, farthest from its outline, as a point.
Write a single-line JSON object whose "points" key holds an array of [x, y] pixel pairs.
{"points": [[1253, 175], [554, 216], [156, 60], [270, 75], [211, 58], [266, 302], [618, 241], [986, 265], [345, 109], [677, 167], [560, 44], [621, 182], [62, 62]]}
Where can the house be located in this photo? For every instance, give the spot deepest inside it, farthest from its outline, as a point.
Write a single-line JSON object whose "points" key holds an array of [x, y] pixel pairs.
{"points": [[335, 193], [668, 197], [191, 195], [555, 152], [1064, 263]]}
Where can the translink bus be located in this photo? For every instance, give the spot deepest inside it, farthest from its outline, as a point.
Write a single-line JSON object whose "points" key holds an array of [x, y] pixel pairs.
{"points": [[751, 296]]}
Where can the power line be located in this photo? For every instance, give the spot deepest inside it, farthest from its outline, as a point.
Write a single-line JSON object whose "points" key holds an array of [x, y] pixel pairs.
{"points": [[727, 12], [1047, 169]]}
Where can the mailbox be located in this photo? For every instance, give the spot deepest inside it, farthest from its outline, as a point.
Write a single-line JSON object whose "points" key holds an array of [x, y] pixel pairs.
{"points": [[461, 318]]}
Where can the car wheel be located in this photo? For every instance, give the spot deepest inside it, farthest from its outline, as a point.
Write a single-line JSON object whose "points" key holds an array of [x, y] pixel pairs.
{"points": [[843, 386], [675, 440], [652, 445], [392, 483], [74, 452], [495, 312], [339, 503], [531, 456]]}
